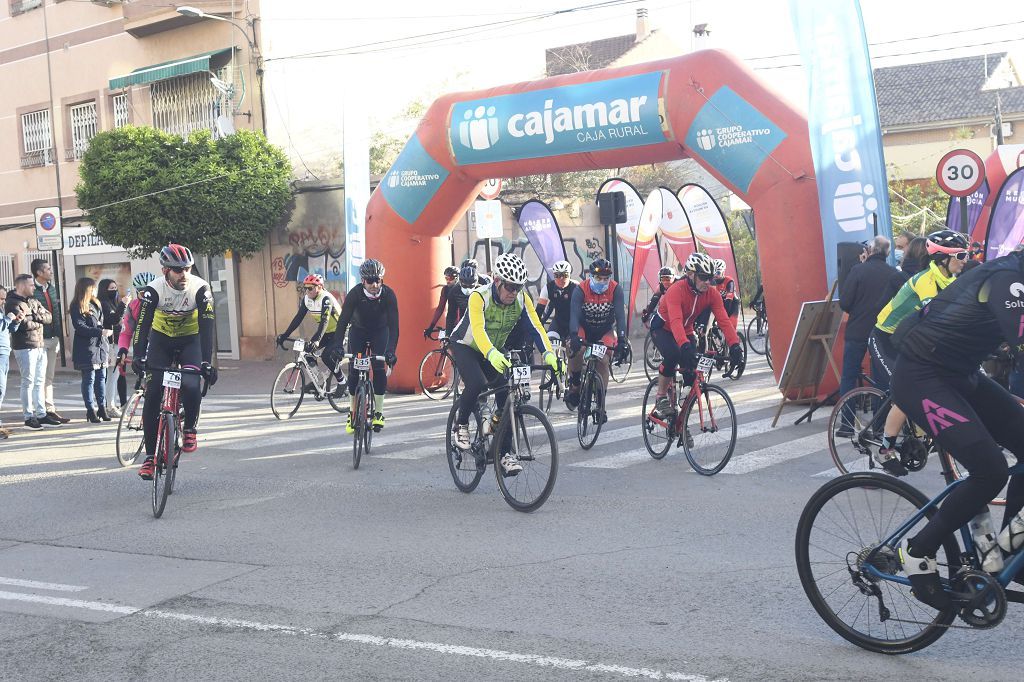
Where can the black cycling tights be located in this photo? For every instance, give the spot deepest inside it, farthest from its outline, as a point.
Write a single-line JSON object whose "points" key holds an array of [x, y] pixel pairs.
{"points": [[378, 340], [476, 373], [161, 351], [970, 417]]}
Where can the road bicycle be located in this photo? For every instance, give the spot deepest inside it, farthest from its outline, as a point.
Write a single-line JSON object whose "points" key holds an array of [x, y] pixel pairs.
{"points": [[362, 414], [553, 384], [522, 430], [652, 357], [438, 373], [703, 422], [618, 368], [169, 429], [303, 377], [590, 413], [846, 553], [711, 340], [131, 443]]}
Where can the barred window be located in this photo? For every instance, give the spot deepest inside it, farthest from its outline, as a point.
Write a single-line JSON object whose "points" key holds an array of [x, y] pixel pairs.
{"points": [[121, 115], [185, 104], [83, 127], [36, 138]]}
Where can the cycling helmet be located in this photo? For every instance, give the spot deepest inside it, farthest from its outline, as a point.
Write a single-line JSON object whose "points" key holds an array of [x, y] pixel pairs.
{"points": [[510, 268], [313, 279], [719, 267], [701, 264], [371, 269], [471, 261], [176, 256], [945, 243], [142, 280], [600, 267], [484, 280], [562, 267], [451, 271], [666, 272], [467, 276]]}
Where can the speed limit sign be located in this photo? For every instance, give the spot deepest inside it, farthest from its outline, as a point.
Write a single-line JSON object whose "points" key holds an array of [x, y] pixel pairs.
{"points": [[960, 172]]}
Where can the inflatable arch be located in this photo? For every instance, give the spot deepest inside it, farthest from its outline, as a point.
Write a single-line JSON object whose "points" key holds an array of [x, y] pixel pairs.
{"points": [[707, 106]]}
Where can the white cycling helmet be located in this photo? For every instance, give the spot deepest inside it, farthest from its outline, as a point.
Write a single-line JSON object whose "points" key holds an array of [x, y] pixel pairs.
{"points": [[510, 268], [562, 267], [719, 267], [700, 263]]}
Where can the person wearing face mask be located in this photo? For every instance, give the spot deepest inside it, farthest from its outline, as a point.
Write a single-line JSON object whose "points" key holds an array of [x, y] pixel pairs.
{"points": [[672, 326], [597, 315], [113, 305]]}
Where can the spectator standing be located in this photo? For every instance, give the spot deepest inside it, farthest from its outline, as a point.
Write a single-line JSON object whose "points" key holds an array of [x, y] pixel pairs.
{"points": [[109, 295], [27, 342], [864, 294], [7, 322], [53, 330], [915, 259], [900, 245], [90, 348]]}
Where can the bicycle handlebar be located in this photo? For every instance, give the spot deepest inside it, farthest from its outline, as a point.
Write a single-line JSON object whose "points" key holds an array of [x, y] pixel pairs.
{"points": [[434, 331], [184, 370]]}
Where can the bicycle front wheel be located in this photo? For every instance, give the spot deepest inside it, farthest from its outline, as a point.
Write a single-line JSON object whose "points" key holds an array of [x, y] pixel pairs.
{"points": [[619, 373], [588, 426], [163, 463], [359, 426], [709, 430], [855, 427], [533, 443], [757, 335], [652, 357], [658, 433], [437, 374], [462, 464], [289, 388], [330, 386], [841, 525], [130, 440]]}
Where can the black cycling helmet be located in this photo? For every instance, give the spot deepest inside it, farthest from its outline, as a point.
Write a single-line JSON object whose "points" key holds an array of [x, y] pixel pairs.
{"points": [[176, 256], [666, 272], [600, 267], [451, 271], [470, 261], [467, 276], [371, 269], [945, 243]]}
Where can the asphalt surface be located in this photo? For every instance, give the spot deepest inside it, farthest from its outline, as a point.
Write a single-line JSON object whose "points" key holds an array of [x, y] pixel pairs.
{"points": [[276, 560]]}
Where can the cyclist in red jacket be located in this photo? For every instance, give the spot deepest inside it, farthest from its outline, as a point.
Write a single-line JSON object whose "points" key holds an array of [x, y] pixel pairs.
{"points": [[672, 326]]}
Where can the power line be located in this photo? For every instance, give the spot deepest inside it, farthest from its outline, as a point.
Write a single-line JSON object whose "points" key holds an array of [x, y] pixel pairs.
{"points": [[903, 54]]}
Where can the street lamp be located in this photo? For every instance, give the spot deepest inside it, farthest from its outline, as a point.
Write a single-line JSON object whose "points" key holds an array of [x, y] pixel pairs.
{"points": [[196, 13]]}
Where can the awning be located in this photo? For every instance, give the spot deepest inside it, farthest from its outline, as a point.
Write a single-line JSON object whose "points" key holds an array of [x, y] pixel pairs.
{"points": [[159, 72]]}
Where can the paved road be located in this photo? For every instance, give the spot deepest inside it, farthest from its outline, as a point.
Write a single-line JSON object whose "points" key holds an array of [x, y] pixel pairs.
{"points": [[275, 559]]}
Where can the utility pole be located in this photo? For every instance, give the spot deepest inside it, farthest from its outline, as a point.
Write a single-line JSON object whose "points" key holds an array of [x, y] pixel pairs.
{"points": [[999, 119], [58, 321]]}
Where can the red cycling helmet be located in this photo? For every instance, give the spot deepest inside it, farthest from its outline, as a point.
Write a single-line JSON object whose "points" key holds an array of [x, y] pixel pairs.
{"points": [[313, 279]]}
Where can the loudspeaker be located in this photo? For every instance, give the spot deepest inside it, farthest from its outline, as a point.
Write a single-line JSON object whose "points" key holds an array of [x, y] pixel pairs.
{"points": [[611, 207], [847, 255]]}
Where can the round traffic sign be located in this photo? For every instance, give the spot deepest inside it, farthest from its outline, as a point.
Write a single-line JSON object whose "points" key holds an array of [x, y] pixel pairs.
{"points": [[960, 172], [491, 189], [47, 221]]}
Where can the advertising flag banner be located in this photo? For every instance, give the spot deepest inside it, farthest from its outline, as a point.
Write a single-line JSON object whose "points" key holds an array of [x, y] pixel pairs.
{"points": [[975, 203], [1006, 226], [675, 227], [542, 230], [646, 259], [625, 232], [356, 154], [709, 228], [842, 118]]}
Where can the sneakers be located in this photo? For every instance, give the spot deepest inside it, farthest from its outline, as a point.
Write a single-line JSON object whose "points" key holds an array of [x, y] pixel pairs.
{"points": [[54, 415], [146, 470], [889, 459], [378, 422], [662, 408], [114, 410], [33, 424], [462, 437], [923, 573], [50, 420], [510, 464], [348, 425], [188, 441]]}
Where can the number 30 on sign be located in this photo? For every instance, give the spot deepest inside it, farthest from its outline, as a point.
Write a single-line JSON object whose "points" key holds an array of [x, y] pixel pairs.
{"points": [[960, 172]]}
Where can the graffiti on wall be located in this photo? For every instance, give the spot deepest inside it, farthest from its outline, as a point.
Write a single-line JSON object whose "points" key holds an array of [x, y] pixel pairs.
{"points": [[315, 237]]}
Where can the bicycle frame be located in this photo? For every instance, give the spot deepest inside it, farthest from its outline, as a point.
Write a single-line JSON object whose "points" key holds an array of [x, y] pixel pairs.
{"points": [[319, 381]]}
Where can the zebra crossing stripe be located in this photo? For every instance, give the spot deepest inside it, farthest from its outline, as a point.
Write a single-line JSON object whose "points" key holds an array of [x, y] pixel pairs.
{"points": [[776, 454]]}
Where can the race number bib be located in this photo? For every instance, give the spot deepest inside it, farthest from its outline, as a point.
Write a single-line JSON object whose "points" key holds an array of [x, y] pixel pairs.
{"points": [[299, 345], [361, 363], [705, 364], [598, 350], [521, 374], [172, 379]]}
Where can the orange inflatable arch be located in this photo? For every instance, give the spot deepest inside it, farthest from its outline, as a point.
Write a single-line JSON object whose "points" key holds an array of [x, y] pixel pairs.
{"points": [[707, 106]]}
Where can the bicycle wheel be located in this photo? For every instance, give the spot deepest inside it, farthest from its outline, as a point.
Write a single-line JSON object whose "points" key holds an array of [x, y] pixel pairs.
{"points": [[840, 526], [658, 433], [368, 421], [359, 425], [709, 421], [130, 441], [736, 372], [462, 465], [850, 439], [619, 373], [162, 480], [768, 356], [652, 357], [757, 335], [288, 390], [588, 427], [533, 441], [437, 374], [337, 402]]}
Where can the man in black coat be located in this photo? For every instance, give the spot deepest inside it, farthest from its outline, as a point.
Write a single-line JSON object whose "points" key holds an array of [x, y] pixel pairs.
{"points": [[867, 289]]}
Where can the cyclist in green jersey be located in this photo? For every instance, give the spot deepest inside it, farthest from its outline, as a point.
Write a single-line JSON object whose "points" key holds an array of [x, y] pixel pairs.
{"points": [[947, 253]]}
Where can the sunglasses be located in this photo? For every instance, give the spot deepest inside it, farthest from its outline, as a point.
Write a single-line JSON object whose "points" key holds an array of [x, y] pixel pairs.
{"points": [[704, 278], [962, 255], [375, 280], [512, 288], [178, 271], [561, 276], [309, 288]]}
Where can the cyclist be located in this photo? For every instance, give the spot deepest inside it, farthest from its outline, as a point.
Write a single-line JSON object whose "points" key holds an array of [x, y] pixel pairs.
{"points": [[672, 326], [371, 308], [175, 317], [947, 253], [597, 308], [131, 317], [325, 309], [555, 297], [665, 279], [480, 338], [936, 381], [444, 299], [727, 288]]}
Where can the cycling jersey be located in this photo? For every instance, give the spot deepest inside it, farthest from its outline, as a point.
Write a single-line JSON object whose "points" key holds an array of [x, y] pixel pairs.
{"points": [[488, 323], [370, 314], [326, 311], [727, 288], [451, 296], [914, 293], [593, 315], [556, 302], [175, 314], [653, 304], [681, 305], [968, 320]]}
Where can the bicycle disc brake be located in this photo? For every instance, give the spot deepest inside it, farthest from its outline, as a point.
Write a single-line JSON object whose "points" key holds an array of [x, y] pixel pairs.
{"points": [[913, 454], [983, 597]]}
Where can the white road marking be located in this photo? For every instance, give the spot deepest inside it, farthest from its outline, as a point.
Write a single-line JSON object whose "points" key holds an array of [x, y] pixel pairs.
{"points": [[35, 585], [73, 603], [40, 475], [776, 454]]}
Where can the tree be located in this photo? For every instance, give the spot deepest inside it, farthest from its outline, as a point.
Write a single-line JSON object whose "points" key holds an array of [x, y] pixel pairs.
{"points": [[916, 206], [142, 188]]}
